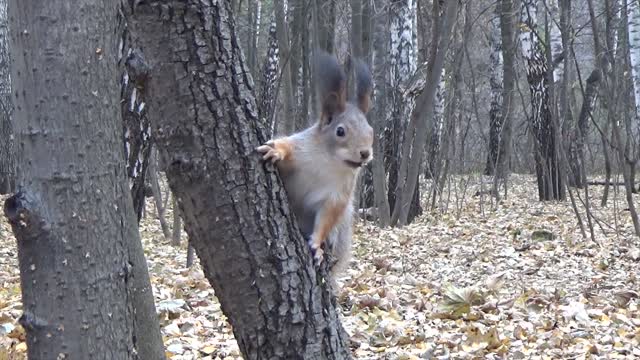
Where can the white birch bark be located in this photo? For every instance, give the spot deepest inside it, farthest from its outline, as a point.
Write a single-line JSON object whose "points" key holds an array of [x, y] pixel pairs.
{"points": [[634, 50], [555, 39]]}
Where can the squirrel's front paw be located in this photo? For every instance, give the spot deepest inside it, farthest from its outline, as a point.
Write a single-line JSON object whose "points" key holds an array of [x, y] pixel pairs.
{"points": [[269, 152], [317, 251]]}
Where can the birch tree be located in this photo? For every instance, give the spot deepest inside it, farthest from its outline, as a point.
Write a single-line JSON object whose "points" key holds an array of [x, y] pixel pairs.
{"points": [[633, 16], [550, 182], [403, 64]]}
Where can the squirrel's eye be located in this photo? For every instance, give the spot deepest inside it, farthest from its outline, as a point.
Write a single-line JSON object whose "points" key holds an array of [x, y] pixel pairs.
{"points": [[340, 131]]}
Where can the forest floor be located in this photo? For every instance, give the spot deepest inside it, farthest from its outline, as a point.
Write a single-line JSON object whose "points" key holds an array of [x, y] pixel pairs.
{"points": [[515, 280]]}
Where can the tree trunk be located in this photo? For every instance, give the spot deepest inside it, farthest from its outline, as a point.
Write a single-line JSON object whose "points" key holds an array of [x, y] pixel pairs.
{"points": [[177, 224], [7, 154], [495, 81], [380, 113], [421, 117], [234, 210], [403, 66], [157, 194], [578, 177], [135, 123], [550, 181], [72, 218], [633, 21], [266, 99], [325, 24], [507, 33], [286, 125], [435, 141]]}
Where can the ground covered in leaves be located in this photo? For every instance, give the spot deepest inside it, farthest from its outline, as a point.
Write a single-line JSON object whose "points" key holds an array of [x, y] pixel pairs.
{"points": [[514, 279]]}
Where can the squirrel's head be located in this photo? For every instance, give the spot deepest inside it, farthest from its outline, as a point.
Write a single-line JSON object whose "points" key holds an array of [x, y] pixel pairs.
{"points": [[343, 124]]}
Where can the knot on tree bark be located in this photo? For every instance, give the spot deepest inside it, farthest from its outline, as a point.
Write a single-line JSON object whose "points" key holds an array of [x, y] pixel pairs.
{"points": [[30, 322], [27, 224], [138, 68]]}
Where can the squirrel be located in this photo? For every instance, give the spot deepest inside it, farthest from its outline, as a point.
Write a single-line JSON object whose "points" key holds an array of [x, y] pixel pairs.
{"points": [[319, 166]]}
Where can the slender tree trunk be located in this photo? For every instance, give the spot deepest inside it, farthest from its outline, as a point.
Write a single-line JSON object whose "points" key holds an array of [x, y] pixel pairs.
{"points": [[577, 152], [507, 33], [72, 218], [286, 125], [380, 113], [157, 194], [421, 117], [545, 131], [435, 141], [495, 81], [234, 210], [7, 154], [325, 24], [266, 99], [177, 224], [633, 23], [135, 123]]}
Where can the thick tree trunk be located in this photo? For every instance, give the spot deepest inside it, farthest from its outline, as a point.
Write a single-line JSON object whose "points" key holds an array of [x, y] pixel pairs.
{"points": [[7, 154], [72, 217], [235, 212]]}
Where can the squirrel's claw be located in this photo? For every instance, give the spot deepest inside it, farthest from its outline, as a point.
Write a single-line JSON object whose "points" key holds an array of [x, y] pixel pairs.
{"points": [[317, 251], [269, 153]]}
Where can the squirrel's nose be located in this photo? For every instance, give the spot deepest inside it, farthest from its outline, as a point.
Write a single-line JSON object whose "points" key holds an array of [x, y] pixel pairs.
{"points": [[364, 154]]}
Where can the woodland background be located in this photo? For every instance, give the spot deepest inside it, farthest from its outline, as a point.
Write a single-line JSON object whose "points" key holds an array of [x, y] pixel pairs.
{"points": [[498, 218]]}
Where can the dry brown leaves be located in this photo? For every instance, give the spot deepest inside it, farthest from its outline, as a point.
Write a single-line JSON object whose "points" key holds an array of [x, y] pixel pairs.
{"points": [[514, 281]]}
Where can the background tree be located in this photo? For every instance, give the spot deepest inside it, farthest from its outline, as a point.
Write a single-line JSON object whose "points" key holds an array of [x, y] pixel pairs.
{"points": [[73, 217], [7, 155]]}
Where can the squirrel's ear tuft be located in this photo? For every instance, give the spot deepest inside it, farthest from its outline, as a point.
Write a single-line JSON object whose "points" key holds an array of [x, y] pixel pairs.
{"points": [[364, 86], [331, 85]]}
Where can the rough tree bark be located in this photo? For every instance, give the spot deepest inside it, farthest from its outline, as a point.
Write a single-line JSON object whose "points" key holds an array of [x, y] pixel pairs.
{"points": [[72, 215], [7, 154], [234, 210]]}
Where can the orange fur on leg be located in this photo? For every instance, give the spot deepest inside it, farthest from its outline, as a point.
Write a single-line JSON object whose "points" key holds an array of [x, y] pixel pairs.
{"points": [[326, 220]]}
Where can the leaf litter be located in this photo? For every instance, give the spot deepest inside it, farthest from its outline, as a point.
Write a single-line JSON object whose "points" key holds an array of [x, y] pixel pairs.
{"points": [[513, 280]]}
